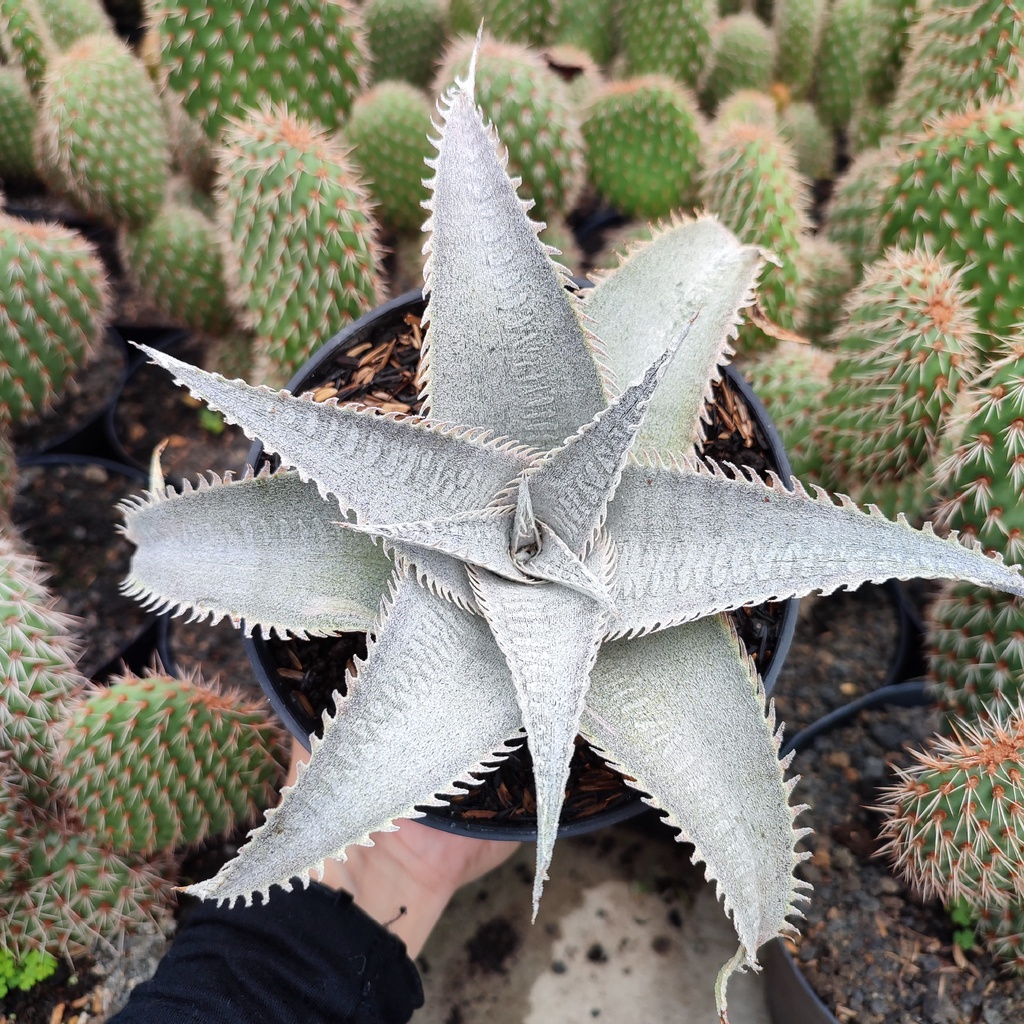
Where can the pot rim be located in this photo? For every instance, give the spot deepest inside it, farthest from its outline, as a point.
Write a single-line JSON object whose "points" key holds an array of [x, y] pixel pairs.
{"points": [[256, 646]]}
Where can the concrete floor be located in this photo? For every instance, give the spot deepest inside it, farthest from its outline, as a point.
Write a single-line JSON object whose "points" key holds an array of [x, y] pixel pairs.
{"points": [[628, 933]]}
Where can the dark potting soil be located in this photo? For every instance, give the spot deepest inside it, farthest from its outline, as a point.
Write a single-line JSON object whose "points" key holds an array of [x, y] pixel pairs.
{"points": [[874, 952], [384, 374]]}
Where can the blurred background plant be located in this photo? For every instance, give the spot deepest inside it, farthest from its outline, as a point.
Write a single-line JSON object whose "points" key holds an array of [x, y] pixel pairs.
{"points": [[252, 170]]}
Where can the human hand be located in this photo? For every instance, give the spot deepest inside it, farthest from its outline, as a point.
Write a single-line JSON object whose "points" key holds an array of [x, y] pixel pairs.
{"points": [[405, 880]]}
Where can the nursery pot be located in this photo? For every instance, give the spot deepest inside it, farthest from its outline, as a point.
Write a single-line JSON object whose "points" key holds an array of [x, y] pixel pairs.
{"points": [[501, 807]]}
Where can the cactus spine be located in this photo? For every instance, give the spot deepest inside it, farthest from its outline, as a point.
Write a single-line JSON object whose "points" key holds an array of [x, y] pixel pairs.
{"points": [[101, 139], [158, 762], [225, 59], [57, 300], [643, 144], [300, 248]]}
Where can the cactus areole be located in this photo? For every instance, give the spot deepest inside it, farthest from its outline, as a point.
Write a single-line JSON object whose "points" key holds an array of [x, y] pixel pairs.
{"points": [[537, 551]]}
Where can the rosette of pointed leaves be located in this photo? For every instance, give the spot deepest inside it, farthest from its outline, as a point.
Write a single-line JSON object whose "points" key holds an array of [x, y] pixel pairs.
{"points": [[559, 557], [227, 58]]}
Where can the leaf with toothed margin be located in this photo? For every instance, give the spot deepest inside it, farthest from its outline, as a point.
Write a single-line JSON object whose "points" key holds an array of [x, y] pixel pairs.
{"points": [[570, 487], [550, 637], [505, 348], [431, 468], [637, 309], [240, 534], [683, 714], [693, 542], [433, 702]]}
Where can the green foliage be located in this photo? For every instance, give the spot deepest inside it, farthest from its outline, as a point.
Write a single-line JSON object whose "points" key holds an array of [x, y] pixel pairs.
{"points": [[959, 189], [798, 25], [227, 58], [176, 260], [743, 55], [300, 249], [404, 38], [102, 140], [388, 130], [35, 966], [56, 302], [159, 762], [671, 37], [17, 126], [643, 145], [751, 183], [839, 76], [532, 111]]}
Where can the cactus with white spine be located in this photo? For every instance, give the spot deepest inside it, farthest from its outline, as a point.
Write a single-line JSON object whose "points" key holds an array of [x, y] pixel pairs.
{"points": [[591, 27], [643, 139], [747, 105], [404, 37], [838, 77], [963, 53], [387, 130], [668, 37], [958, 189], [884, 47], [532, 110], [530, 22], [437, 488], [26, 39], [101, 139], [226, 58], [156, 762], [71, 20], [8, 473], [300, 243], [828, 276], [742, 57], [17, 126], [812, 143], [797, 25], [57, 303]]}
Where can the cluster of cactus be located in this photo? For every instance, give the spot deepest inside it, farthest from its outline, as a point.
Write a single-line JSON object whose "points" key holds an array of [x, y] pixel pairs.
{"points": [[99, 784]]}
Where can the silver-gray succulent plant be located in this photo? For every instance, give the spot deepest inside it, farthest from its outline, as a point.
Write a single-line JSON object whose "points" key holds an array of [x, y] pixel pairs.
{"points": [[540, 550]]}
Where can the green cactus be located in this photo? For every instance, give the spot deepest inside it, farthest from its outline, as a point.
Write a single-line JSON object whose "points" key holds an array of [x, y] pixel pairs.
{"points": [[56, 304], [748, 106], [176, 261], [959, 189], [591, 27], [798, 25], [792, 381], [742, 57], [907, 347], [577, 69], [530, 22], [559, 236], [37, 664], [670, 37], [954, 821], [404, 38], [750, 182], [867, 128], [1002, 931], [839, 76], [17, 125], [388, 129], [227, 58], [101, 140], [958, 53], [976, 644], [853, 216], [813, 144], [828, 277], [464, 16], [300, 250], [531, 109], [8, 473], [71, 20], [643, 139], [884, 47], [157, 762], [26, 39]]}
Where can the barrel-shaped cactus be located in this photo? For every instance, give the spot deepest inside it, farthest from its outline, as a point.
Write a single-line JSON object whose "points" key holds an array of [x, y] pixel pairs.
{"points": [[157, 762], [532, 111], [226, 58], [300, 243], [643, 139], [102, 140], [404, 38], [388, 130], [56, 300], [959, 189]]}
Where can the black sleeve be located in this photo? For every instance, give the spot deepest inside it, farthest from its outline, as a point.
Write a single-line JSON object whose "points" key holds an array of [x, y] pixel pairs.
{"points": [[304, 957]]}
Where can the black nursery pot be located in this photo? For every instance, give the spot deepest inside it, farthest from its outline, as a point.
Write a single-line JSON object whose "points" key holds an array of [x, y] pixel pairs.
{"points": [[597, 795]]}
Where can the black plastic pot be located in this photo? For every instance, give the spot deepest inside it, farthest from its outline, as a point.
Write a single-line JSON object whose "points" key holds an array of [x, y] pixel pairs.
{"points": [[301, 724]]}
